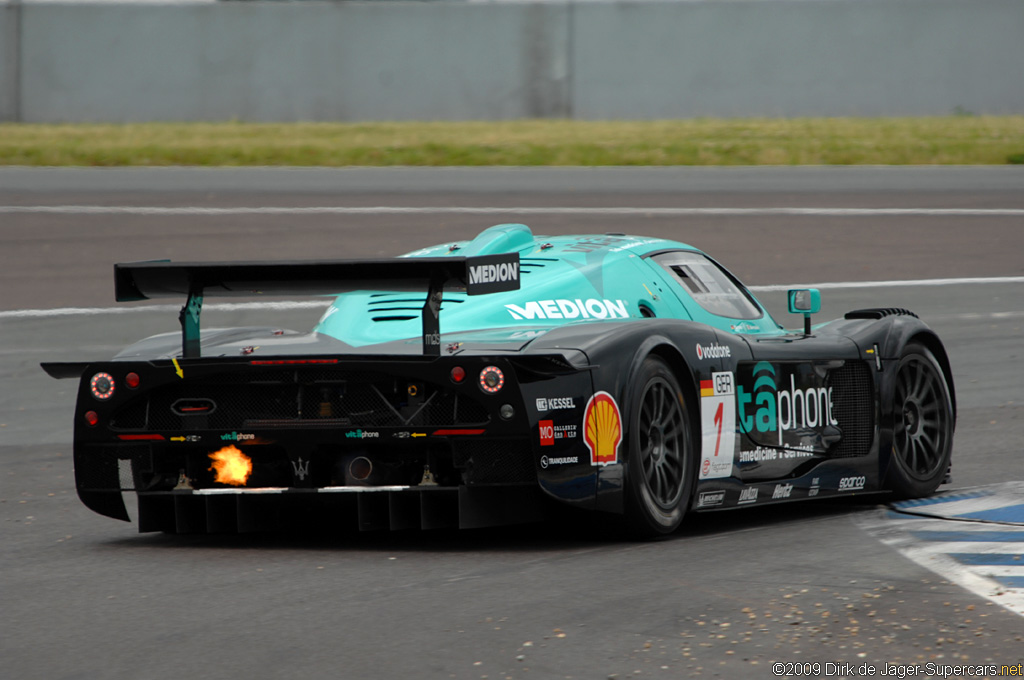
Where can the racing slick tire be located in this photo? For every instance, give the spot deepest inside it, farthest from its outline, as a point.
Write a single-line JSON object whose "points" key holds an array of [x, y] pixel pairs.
{"points": [[661, 457], [923, 424]]}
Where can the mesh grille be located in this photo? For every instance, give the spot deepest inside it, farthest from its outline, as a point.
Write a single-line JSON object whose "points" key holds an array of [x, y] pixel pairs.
{"points": [[853, 405], [303, 397], [494, 461]]}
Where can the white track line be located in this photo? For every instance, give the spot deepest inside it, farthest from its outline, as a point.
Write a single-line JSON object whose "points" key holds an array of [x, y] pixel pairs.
{"points": [[322, 303], [522, 210], [891, 284]]}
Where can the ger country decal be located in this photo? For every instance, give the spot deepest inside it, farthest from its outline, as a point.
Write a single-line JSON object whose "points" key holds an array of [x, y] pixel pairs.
{"points": [[602, 429], [718, 423]]}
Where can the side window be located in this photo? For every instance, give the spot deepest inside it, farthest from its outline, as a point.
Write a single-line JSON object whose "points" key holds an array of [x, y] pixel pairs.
{"points": [[709, 285]]}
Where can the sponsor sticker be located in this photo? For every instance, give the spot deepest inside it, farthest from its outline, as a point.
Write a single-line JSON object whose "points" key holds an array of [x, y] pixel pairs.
{"points": [[547, 461], [555, 403], [852, 483], [718, 423], [713, 351], [237, 437], [782, 491], [602, 429], [591, 308], [361, 434], [769, 408], [191, 438], [547, 432], [492, 274], [748, 495], [709, 499], [815, 486]]}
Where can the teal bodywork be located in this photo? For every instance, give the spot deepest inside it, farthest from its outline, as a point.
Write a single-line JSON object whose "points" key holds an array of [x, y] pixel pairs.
{"points": [[564, 280]]}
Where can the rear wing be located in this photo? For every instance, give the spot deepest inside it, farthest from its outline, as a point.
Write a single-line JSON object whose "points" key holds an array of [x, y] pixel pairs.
{"points": [[196, 280]]}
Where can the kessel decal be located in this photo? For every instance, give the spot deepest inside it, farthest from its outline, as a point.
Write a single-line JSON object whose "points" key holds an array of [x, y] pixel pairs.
{"points": [[602, 429], [718, 423]]}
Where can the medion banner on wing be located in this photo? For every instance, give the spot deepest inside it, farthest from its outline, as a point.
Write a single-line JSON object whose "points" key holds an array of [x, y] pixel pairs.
{"points": [[492, 274]]}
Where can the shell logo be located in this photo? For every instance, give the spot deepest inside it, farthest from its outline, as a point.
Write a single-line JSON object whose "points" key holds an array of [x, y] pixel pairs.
{"points": [[602, 429]]}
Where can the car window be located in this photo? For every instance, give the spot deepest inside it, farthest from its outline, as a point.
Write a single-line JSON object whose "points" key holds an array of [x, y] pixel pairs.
{"points": [[709, 285]]}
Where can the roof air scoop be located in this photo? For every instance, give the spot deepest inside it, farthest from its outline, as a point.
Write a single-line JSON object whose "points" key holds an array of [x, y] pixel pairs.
{"points": [[501, 238]]}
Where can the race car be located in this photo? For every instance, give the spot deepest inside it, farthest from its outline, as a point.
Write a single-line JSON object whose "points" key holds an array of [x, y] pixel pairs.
{"points": [[469, 384]]}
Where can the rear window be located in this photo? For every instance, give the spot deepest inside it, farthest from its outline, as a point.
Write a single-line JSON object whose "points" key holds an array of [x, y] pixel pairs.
{"points": [[709, 285]]}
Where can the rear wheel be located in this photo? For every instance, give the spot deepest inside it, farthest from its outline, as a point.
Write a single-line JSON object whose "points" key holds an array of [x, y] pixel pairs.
{"points": [[922, 425], [659, 476]]}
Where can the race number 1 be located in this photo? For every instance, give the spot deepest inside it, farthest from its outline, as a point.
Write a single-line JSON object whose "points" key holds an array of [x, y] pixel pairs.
{"points": [[718, 424]]}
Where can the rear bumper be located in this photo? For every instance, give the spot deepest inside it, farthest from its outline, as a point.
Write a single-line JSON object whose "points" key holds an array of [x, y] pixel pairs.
{"points": [[345, 509]]}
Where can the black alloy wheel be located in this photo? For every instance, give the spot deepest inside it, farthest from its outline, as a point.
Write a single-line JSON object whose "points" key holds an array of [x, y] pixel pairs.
{"points": [[661, 456], [922, 424]]}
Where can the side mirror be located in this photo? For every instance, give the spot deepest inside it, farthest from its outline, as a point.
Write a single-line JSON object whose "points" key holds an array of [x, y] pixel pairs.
{"points": [[805, 301]]}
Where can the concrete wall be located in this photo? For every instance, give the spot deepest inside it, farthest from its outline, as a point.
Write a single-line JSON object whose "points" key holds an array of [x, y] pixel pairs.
{"points": [[273, 61]]}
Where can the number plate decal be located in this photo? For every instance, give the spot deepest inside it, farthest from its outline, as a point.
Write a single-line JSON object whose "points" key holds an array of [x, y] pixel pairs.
{"points": [[718, 424]]}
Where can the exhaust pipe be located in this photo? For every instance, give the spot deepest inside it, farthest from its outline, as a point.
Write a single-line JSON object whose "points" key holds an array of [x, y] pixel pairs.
{"points": [[360, 468]]}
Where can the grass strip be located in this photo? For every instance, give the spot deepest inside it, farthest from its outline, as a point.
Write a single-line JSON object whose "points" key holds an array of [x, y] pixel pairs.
{"points": [[952, 140]]}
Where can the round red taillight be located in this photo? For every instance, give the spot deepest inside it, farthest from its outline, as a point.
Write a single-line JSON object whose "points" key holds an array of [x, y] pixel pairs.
{"points": [[458, 374], [491, 379], [102, 386], [91, 418], [132, 380]]}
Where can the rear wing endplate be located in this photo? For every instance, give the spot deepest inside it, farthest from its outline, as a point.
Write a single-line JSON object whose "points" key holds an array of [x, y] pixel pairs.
{"points": [[196, 280]]}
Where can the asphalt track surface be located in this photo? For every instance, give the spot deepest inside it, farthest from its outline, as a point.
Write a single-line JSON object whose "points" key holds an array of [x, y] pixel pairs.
{"points": [[86, 597]]}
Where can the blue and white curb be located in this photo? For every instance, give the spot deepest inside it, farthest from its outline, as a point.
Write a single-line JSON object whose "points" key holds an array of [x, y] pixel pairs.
{"points": [[973, 537]]}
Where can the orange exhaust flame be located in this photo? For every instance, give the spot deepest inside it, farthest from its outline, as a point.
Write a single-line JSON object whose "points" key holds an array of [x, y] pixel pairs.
{"points": [[231, 466]]}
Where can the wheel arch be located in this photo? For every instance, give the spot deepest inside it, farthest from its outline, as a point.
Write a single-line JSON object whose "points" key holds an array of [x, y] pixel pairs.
{"points": [[666, 350], [935, 346]]}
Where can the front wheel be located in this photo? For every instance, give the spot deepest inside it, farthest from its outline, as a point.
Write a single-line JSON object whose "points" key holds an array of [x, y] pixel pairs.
{"points": [[922, 425], [659, 476]]}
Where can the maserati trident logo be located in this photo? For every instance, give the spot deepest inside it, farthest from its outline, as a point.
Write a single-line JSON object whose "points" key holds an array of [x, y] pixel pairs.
{"points": [[301, 469]]}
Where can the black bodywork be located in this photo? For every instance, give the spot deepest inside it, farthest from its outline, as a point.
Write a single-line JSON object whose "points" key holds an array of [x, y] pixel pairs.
{"points": [[388, 439]]}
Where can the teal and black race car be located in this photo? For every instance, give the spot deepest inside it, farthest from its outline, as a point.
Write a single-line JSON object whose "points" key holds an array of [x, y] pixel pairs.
{"points": [[466, 385]]}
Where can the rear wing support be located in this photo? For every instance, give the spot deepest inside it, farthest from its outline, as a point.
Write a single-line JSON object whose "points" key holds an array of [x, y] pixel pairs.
{"points": [[190, 328], [474, 275]]}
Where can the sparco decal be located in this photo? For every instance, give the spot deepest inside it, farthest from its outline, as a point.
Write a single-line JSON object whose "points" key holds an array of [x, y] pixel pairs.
{"points": [[602, 429], [718, 424], [570, 309], [555, 403], [852, 483], [709, 499], [766, 408], [748, 495], [713, 352]]}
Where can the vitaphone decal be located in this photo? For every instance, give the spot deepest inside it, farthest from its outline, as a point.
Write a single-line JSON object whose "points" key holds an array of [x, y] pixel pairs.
{"points": [[781, 405]]}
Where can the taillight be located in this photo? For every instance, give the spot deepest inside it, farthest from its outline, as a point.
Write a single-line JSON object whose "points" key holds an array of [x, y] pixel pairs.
{"points": [[458, 374], [491, 379], [102, 386], [132, 380], [91, 418]]}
